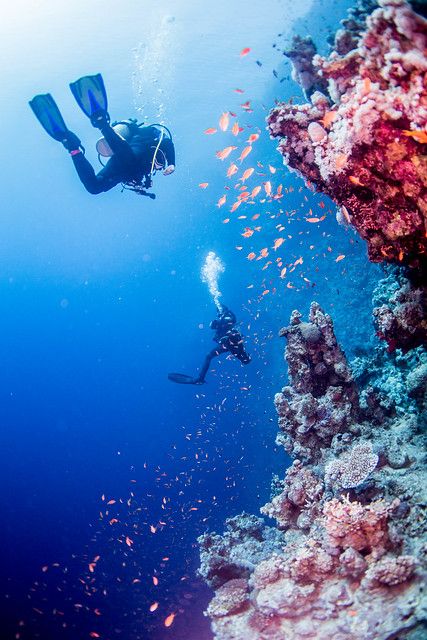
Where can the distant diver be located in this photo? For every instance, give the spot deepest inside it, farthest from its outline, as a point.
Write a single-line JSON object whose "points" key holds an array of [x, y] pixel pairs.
{"points": [[228, 339], [135, 151]]}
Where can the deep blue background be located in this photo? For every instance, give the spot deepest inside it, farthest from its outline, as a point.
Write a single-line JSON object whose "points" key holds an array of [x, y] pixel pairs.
{"points": [[101, 296]]}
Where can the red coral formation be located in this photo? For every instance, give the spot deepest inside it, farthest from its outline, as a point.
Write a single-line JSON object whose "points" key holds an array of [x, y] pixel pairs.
{"points": [[368, 148]]}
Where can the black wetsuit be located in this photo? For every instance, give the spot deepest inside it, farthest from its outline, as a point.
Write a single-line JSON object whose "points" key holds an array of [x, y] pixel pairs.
{"points": [[131, 160], [228, 339]]}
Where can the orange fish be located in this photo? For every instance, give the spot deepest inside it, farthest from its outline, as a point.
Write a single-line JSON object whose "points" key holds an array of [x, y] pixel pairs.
{"points": [[244, 195], [235, 129], [246, 151], [244, 52], [251, 255], [129, 542], [247, 233], [111, 502], [264, 293], [283, 272], [169, 620], [204, 185], [239, 90], [155, 581], [356, 181], [210, 132], [256, 216], [236, 205], [247, 174], [253, 137], [267, 187], [226, 221], [278, 243], [223, 121], [221, 201], [93, 634], [341, 257], [272, 169], [312, 219], [154, 606], [419, 135], [328, 119], [232, 169], [255, 191], [264, 252], [222, 155], [152, 529], [246, 105]]}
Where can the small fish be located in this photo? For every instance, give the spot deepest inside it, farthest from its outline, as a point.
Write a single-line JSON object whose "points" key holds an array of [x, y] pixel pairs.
{"points": [[236, 205], [272, 169], [222, 155], [283, 272], [278, 243], [258, 63], [251, 255], [267, 187], [247, 233], [111, 502], [226, 221], [264, 252], [247, 174], [155, 581], [244, 52], [129, 542], [264, 293], [246, 151], [328, 119], [255, 191], [169, 620], [232, 169], [356, 181], [204, 185], [235, 129], [419, 135], [253, 138], [239, 90], [255, 216], [246, 105], [224, 121], [93, 634], [221, 201], [152, 529], [312, 220], [154, 606], [210, 132], [341, 257]]}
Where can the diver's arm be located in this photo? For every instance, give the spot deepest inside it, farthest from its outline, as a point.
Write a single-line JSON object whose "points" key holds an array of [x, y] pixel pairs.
{"points": [[168, 149], [105, 180], [118, 146]]}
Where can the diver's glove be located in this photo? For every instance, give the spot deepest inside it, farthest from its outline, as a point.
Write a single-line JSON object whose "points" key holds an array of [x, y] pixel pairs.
{"points": [[170, 169], [71, 142]]}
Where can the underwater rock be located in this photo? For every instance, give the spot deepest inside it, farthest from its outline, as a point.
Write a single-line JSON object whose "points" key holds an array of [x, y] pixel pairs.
{"points": [[373, 161], [349, 559], [303, 71], [322, 398]]}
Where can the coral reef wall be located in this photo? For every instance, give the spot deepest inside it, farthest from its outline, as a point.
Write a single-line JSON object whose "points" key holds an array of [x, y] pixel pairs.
{"points": [[362, 138], [347, 558]]}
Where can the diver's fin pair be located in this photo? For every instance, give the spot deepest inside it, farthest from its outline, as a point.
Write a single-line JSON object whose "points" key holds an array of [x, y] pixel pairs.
{"points": [[91, 97]]}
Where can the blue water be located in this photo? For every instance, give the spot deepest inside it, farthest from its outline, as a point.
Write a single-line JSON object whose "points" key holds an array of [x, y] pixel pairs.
{"points": [[101, 297]]}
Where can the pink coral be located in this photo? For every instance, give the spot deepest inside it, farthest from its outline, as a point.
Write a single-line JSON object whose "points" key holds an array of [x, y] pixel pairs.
{"points": [[366, 162], [352, 524], [390, 571], [229, 599]]}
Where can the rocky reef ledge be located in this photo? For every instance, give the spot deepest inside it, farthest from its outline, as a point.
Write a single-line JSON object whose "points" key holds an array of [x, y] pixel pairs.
{"points": [[362, 136], [347, 557]]}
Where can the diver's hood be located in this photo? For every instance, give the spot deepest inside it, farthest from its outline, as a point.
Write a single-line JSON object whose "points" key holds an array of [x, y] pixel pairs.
{"points": [[123, 130]]}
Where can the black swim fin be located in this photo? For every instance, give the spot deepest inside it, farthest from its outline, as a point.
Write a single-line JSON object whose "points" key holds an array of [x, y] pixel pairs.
{"points": [[91, 97], [47, 113], [181, 378]]}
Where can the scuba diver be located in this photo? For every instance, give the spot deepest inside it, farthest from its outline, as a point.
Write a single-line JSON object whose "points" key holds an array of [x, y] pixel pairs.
{"points": [[228, 339], [135, 151]]}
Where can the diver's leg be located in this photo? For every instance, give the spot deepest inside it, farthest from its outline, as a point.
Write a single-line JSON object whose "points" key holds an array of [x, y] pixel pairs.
{"points": [[206, 364], [94, 183]]}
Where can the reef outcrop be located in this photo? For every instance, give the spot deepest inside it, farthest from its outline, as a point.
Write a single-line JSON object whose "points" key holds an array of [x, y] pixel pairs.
{"points": [[362, 137], [347, 559]]}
